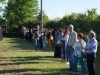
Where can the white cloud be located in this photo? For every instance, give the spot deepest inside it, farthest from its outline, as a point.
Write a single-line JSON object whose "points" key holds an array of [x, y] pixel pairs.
{"points": [[55, 15]]}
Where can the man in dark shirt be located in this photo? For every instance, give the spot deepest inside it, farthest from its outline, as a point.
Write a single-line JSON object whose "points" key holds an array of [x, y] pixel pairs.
{"points": [[36, 37]]}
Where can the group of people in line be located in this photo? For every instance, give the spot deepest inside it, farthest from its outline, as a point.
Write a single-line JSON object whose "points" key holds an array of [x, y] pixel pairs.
{"points": [[70, 46], [43, 38]]}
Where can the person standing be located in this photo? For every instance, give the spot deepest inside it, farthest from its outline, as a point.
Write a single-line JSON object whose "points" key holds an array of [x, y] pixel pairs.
{"points": [[64, 43], [41, 38], [1, 34], [27, 34], [79, 47], [49, 39], [91, 50], [36, 38], [58, 48], [45, 39], [30, 35], [71, 46]]}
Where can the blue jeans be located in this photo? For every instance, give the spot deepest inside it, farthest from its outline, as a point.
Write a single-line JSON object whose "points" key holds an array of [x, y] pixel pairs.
{"points": [[80, 59], [66, 56], [45, 43], [70, 52], [36, 40]]}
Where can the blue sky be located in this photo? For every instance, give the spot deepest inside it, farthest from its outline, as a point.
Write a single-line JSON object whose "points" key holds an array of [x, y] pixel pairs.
{"points": [[58, 8]]}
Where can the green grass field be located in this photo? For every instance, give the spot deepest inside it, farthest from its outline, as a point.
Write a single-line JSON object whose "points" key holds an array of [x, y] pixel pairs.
{"points": [[18, 57]]}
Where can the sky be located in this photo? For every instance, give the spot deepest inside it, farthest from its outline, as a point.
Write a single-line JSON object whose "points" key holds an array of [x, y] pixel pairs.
{"points": [[58, 8]]}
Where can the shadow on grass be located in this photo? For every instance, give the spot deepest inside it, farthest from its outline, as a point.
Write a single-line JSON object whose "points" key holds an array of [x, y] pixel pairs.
{"points": [[21, 44], [33, 71], [28, 60], [24, 45]]}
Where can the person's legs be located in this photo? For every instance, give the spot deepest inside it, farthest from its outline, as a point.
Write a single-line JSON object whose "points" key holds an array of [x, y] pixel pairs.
{"points": [[60, 52], [43, 42], [70, 52], [75, 64], [35, 41], [49, 44], [91, 63], [82, 65], [88, 63], [71, 58], [46, 45], [63, 52], [66, 55]]}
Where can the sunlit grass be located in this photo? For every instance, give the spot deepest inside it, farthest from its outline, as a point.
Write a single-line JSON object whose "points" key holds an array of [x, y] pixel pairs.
{"points": [[18, 57]]}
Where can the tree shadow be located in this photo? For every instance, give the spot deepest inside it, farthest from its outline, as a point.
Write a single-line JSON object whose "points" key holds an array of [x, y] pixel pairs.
{"points": [[28, 60], [21, 44], [24, 71]]}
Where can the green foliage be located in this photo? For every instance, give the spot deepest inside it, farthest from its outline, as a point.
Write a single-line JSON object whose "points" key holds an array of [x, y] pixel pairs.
{"points": [[20, 12], [2, 0], [45, 18], [81, 21]]}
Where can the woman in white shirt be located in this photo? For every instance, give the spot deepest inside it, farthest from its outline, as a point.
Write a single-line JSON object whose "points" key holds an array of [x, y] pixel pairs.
{"points": [[64, 43], [80, 46]]}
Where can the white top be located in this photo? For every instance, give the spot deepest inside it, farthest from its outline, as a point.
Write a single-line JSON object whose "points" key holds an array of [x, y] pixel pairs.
{"points": [[70, 39], [66, 39], [79, 48]]}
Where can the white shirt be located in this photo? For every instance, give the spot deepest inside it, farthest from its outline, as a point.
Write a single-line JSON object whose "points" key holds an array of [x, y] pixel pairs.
{"points": [[66, 39], [70, 39], [79, 48]]}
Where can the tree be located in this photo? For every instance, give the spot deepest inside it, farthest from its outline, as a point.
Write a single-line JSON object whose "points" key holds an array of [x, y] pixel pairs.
{"points": [[2, 0], [20, 12], [45, 18]]}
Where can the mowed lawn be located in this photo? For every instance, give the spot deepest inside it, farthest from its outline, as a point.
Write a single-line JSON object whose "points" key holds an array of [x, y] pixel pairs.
{"points": [[18, 57]]}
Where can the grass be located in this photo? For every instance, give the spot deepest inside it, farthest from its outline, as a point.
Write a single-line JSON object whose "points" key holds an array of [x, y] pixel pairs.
{"points": [[18, 57]]}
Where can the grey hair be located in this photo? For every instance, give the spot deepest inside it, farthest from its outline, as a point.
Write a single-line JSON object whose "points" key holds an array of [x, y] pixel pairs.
{"points": [[93, 33], [71, 26]]}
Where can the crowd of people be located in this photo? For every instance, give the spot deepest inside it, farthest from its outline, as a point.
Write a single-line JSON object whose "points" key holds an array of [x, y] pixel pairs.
{"points": [[70, 46], [43, 38]]}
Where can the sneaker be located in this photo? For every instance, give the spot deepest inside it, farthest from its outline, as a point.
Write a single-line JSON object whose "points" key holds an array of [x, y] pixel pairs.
{"points": [[67, 63]]}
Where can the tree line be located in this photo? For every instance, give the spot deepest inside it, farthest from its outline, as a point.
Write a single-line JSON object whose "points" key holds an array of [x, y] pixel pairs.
{"points": [[81, 21], [21, 13]]}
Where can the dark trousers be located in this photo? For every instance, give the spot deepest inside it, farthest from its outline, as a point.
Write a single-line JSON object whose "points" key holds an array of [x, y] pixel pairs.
{"points": [[63, 52], [41, 42], [57, 53], [91, 59]]}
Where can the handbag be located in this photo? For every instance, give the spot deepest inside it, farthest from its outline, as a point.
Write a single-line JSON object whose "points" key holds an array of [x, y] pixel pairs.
{"points": [[83, 54], [51, 37]]}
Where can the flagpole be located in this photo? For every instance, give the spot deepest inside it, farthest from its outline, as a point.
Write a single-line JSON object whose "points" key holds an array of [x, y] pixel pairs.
{"points": [[41, 14]]}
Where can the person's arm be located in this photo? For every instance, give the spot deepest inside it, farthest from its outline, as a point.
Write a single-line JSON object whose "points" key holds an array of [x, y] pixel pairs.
{"points": [[91, 45], [65, 38], [83, 44], [75, 50], [75, 39]]}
